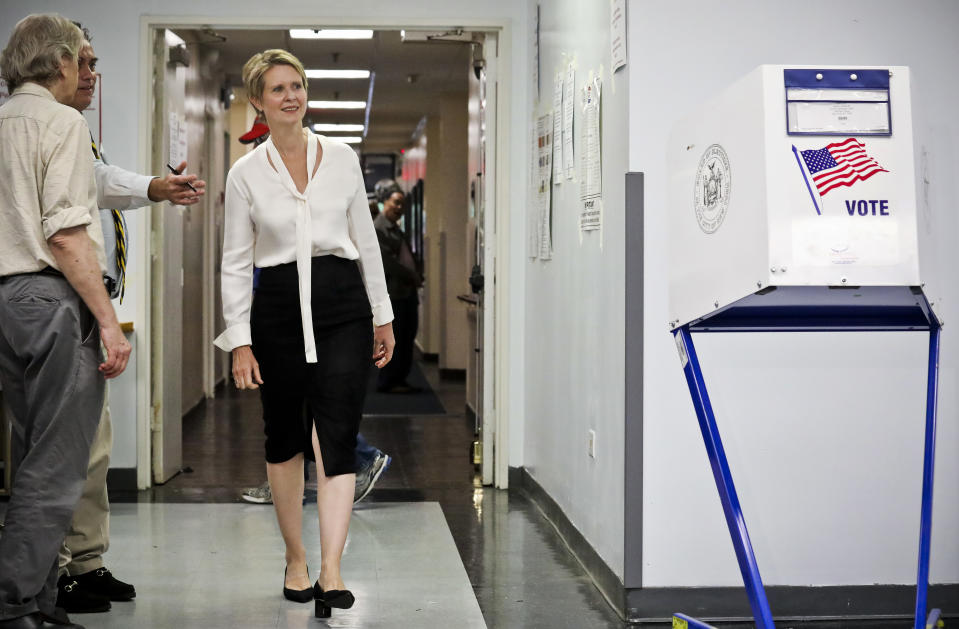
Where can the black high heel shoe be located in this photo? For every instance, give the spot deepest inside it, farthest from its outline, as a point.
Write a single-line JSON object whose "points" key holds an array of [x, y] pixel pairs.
{"points": [[297, 596], [325, 601]]}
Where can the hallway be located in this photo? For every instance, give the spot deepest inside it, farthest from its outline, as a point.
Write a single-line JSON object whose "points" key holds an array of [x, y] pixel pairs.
{"points": [[520, 572]]}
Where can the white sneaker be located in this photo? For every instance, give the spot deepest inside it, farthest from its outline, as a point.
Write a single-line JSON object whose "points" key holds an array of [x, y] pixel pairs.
{"points": [[260, 495]]}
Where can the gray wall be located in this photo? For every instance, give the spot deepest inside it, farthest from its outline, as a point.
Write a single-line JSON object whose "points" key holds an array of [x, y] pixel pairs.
{"points": [[823, 432], [575, 305]]}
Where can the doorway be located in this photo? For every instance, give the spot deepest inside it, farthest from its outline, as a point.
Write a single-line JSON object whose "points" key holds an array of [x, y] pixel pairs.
{"points": [[160, 416]]}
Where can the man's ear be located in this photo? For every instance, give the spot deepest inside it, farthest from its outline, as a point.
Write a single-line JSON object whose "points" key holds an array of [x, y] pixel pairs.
{"points": [[65, 61]]}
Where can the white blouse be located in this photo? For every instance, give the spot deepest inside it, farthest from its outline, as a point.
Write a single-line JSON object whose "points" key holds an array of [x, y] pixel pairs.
{"points": [[268, 222]]}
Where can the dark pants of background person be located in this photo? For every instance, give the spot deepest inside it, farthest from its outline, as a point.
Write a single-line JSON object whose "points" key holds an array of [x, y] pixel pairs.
{"points": [[405, 324], [365, 453], [49, 353]]}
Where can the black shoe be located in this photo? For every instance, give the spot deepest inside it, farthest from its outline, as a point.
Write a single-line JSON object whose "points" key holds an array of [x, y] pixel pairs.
{"points": [[297, 596], [32, 621], [102, 583], [75, 599], [325, 601]]}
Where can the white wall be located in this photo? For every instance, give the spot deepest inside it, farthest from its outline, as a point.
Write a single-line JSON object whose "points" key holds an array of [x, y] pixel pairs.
{"points": [[823, 432], [575, 305], [116, 24]]}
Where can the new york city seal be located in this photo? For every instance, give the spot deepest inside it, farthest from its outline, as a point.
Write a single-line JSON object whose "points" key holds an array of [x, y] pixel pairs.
{"points": [[711, 196]]}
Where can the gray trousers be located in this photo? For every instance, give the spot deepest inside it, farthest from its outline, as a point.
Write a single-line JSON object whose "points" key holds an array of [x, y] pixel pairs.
{"points": [[49, 353]]}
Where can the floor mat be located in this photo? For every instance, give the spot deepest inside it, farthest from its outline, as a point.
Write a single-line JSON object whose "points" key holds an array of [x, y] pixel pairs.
{"points": [[423, 403]]}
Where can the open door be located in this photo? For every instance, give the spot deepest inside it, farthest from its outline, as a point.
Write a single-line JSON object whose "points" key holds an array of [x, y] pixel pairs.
{"points": [[166, 267], [483, 275]]}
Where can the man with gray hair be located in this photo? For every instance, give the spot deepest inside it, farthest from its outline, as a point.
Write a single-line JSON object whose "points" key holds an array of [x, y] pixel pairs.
{"points": [[85, 584], [54, 307]]}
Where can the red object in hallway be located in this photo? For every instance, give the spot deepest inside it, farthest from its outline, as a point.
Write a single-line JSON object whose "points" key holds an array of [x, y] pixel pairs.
{"points": [[257, 131]]}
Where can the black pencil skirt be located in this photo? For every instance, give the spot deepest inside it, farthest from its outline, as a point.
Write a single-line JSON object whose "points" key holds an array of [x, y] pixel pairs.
{"points": [[329, 393]]}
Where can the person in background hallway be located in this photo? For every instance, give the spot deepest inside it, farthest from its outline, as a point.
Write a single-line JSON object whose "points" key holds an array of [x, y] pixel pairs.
{"points": [[85, 585], [296, 209], [371, 462], [54, 307], [403, 280]]}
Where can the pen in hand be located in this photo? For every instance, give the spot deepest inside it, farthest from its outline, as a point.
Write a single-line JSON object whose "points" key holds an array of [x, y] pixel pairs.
{"points": [[174, 171]]}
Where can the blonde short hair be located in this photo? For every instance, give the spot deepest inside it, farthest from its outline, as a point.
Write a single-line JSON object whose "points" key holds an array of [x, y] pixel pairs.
{"points": [[261, 62], [38, 44]]}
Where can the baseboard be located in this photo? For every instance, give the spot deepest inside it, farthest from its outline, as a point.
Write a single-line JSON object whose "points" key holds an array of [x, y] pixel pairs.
{"points": [[122, 479], [457, 375], [855, 606], [605, 580]]}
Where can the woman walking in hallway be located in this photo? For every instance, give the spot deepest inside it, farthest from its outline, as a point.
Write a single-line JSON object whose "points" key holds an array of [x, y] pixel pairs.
{"points": [[296, 208]]}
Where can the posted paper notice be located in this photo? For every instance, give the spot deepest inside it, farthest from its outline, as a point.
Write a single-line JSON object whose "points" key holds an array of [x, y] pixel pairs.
{"points": [[591, 171], [544, 132], [569, 106], [558, 129]]}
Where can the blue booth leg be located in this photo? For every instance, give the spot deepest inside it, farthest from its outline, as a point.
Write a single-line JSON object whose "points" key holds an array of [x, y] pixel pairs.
{"points": [[724, 481], [928, 473], [682, 621]]}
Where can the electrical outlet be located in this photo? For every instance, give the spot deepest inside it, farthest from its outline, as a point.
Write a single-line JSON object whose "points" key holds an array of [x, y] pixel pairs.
{"points": [[591, 443]]}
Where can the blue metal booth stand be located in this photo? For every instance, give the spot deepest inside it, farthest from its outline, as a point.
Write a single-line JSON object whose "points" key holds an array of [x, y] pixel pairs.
{"points": [[811, 309]]}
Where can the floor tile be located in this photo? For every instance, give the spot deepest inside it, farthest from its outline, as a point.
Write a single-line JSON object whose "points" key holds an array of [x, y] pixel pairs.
{"points": [[221, 565]]}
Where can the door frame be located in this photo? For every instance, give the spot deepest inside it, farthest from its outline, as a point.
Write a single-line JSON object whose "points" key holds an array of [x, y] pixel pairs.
{"points": [[496, 315]]}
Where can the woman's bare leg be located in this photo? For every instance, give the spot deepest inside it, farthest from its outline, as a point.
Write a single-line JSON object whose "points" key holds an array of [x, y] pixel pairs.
{"points": [[334, 500], [286, 484]]}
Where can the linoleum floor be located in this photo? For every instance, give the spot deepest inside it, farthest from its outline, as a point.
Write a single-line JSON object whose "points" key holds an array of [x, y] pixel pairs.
{"points": [[519, 571]]}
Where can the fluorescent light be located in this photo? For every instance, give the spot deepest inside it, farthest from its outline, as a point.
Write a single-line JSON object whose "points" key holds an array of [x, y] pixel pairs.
{"points": [[337, 74], [337, 104], [329, 33], [172, 39], [320, 126], [348, 139], [369, 104]]}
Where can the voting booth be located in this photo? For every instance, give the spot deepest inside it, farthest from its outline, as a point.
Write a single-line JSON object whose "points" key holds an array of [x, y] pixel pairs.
{"points": [[792, 208]]}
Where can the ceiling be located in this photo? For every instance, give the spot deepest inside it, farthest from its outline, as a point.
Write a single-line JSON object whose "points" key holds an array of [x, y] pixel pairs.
{"points": [[409, 76]]}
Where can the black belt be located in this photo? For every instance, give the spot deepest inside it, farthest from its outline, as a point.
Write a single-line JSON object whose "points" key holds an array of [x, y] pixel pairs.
{"points": [[50, 271]]}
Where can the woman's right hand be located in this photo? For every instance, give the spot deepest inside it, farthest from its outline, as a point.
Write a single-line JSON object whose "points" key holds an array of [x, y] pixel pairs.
{"points": [[246, 371]]}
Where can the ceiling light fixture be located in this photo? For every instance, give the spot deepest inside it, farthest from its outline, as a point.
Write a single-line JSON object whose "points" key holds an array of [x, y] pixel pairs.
{"points": [[369, 105], [330, 33], [321, 126], [348, 139], [337, 74], [337, 104]]}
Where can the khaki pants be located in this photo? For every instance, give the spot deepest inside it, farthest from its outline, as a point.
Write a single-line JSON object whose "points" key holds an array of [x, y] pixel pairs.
{"points": [[89, 534]]}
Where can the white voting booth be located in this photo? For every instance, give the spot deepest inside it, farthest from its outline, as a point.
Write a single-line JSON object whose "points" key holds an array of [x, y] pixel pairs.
{"points": [[793, 208]]}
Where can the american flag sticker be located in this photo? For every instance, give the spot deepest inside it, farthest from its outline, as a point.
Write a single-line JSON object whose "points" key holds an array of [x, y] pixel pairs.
{"points": [[836, 165]]}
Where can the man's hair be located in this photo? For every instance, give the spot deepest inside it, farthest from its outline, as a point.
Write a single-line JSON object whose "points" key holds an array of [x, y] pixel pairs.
{"points": [[38, 44], [385, 188], [83, 29], [261, 62]]}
